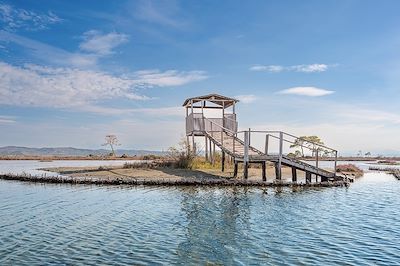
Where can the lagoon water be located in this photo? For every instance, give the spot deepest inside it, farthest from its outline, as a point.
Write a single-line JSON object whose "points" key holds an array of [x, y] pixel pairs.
{"points": [[119, 225]]}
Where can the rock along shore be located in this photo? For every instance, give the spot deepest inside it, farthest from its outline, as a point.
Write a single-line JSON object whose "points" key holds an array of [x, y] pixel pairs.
{"points": [[166, 182]]}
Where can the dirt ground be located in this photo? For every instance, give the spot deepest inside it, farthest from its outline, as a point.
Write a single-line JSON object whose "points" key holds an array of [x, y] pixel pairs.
{"points": [[171, 173]]}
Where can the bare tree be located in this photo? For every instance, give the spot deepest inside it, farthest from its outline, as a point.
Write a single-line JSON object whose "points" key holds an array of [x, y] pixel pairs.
{"points": [[111, 140]]}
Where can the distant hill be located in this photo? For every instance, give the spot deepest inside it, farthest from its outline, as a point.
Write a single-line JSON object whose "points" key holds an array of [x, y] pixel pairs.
{"points": [[68, 151]]}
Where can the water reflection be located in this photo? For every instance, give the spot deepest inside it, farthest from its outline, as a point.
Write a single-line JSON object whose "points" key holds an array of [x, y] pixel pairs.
{"points": [[217, 222]]}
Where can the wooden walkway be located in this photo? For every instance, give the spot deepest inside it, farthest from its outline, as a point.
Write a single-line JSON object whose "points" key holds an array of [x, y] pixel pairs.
{"points": [[230, 144]]}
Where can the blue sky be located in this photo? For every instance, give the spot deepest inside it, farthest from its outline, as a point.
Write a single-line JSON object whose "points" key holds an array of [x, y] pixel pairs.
{"points": [[72, 72]]}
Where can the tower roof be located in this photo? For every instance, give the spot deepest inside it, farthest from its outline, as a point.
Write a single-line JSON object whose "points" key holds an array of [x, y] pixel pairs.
{"points": [[217, 99]]}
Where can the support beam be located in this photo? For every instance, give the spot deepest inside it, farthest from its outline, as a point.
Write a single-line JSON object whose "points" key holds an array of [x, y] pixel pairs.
{"points": [[213, 157], [188, 144], [277, 172], [210, 153], [280, 155], [193, 145], [294, 174], [246, 170], [235, 169], [266, 144], [223, 161], [308, 177], [264, 171], [206, 148]]}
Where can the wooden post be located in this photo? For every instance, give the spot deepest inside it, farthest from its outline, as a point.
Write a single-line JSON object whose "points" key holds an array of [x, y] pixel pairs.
{"points": [[294, 174], [280, 153], [210, 153], [206, 147], [335, 162], [249, 135], [246, 170], [264, 172], [213, 158], [193, 144], [316, 158], [266, 144], [223, 161], [202, 116], [246, 154], [308, 177], [235, 169], [277, 171]]}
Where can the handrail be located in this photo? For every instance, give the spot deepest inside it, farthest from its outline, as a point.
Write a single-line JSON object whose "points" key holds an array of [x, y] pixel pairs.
{"points": [[290, 135], [332, 150]]}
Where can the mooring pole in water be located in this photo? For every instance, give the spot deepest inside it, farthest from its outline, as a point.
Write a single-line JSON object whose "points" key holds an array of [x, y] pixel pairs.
{"points": [[264, 171], [294, 174]]}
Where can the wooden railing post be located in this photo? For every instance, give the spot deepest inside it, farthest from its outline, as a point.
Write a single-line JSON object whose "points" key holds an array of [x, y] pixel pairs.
{"points": [[246, 153], [316, 158], [335, 162], [280, 155], [206, 147], [266, 144]]}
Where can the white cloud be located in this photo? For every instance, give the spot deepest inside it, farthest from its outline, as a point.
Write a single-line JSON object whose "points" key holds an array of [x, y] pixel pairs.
{"points": [[249, 98], [155, 112], [33, 85], [48, 53], [5, 119], [159, 12], [270, 68], [310, 68], [296, 68], [94, 47], [169, 77], [306, 91], [102, 44], [16, 18]]}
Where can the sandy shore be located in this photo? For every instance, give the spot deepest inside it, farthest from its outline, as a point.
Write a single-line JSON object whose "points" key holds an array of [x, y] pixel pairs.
{"points": [[168, 176]]}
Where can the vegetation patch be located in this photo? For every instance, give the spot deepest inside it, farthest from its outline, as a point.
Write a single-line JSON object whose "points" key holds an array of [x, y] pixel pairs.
{"points": [[348, 168]]}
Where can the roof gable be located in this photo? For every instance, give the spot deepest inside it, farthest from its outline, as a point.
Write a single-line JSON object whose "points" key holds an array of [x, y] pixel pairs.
{"points": [[214, 98]]}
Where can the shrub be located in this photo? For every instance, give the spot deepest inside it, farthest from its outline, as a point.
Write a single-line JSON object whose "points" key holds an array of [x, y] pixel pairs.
{"points": [[348, 168], [181, 157]]}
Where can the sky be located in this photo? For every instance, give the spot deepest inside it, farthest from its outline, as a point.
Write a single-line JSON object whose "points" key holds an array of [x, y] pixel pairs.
{"points": [[72, 72]]}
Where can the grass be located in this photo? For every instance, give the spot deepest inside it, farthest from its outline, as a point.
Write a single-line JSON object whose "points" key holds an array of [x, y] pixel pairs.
{"points": [[348, 168]]}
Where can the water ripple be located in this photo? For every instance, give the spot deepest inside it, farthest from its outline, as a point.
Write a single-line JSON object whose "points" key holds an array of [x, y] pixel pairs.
{"points": [[81, 225]]}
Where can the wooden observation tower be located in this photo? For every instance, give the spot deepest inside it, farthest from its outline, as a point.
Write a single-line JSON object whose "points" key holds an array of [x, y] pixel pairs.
{"points": [[213, 118]]}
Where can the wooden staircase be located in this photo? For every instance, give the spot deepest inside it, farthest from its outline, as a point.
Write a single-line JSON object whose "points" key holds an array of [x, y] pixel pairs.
{"points": [[230, 144]]}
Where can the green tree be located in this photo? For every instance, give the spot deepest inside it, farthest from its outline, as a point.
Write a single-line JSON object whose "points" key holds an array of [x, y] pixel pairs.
{"points": [[299, 143], [310, 142]]}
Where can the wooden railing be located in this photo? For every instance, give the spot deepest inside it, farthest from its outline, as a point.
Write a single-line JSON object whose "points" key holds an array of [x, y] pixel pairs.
{"points": [[281, 138], [196, 123], [248, 138]]}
